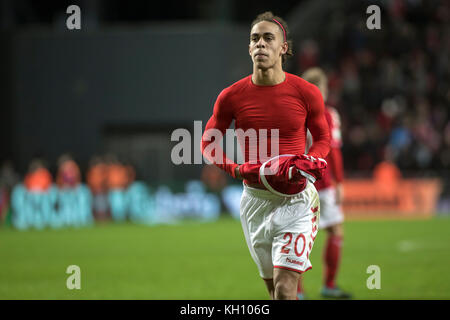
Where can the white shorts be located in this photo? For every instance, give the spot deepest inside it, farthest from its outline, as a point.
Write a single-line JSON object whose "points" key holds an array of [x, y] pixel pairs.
{"points": [[280, 231], [330, 213]]}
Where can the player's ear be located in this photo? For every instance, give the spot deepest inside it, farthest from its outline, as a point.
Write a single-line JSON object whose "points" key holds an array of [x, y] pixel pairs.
{"points": [[284, 47], [249, 50]]}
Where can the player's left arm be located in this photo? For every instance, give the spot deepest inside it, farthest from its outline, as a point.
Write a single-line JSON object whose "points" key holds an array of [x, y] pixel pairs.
{"points": [[317, 123]]}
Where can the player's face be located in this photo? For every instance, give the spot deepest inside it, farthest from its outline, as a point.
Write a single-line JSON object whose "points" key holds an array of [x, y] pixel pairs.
{"points": [[266, 45]]}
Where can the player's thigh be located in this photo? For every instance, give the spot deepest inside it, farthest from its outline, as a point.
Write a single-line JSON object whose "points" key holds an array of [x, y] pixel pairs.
{"points": [[291, 248], [254, 225], [294, 234]]}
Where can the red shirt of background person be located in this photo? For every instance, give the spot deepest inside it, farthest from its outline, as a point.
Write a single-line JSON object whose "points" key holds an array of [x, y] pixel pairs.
{"points": [[38, 178], [68, 173], [270, 100]]}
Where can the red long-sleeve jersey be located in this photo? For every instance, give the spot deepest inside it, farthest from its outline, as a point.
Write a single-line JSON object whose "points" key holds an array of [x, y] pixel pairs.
{"points": [[292, 107]]}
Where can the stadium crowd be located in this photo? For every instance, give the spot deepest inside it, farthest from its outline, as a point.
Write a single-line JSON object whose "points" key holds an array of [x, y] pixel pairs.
{"points": [[391, 86], [105, 173]]}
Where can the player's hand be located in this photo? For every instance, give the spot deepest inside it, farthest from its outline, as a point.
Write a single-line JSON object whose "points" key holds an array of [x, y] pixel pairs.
{"points": [[289, 174], [305, 166], [339, 193]]}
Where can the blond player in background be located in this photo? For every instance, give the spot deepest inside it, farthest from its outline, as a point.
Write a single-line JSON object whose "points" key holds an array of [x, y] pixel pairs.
{"points": [[330, 194]]}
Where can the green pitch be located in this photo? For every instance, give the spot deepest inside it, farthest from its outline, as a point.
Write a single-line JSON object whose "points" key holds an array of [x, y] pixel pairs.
{"points": [[211, 261]]}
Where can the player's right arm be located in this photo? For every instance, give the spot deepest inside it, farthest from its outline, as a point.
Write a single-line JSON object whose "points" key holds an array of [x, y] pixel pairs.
{"points": [[214, 131]]}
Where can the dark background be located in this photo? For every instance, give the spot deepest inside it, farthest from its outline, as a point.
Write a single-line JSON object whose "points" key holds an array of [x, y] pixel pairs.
{"points": [[134, 72], [137, 70]]}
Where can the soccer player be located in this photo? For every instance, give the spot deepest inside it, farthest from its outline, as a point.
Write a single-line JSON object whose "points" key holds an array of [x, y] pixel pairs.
{"points": [[279, 230], [330, 195]]}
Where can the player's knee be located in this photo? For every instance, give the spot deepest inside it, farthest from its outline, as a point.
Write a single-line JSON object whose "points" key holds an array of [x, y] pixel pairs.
{"points": [[285, 289], [339, 230], [335, 230]]}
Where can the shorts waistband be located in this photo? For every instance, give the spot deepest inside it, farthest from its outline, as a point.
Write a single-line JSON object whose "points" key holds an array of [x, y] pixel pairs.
{"points": [[266, 194]]}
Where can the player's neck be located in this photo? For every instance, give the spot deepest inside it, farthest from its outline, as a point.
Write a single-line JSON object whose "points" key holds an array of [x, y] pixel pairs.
{"points": [[268, 77]]}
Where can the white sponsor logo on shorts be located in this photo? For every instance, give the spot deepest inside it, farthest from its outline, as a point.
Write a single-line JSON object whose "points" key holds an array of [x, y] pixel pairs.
{"points": [[300, 263]]}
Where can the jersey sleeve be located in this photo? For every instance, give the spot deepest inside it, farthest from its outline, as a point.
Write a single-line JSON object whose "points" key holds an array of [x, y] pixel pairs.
{"points": [[317, 124], [214, 132]]}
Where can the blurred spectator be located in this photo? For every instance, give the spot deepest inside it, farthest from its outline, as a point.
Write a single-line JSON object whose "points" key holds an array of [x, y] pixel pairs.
{"points": [[97, 180], [213, 178], [38, 178], [131, 173], [104, 175], [68, 176], [4, 205], [118, 174], [8, 178], [386, 174]]}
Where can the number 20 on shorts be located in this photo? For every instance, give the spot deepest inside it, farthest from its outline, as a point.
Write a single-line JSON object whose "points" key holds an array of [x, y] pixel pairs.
{"points": [[286, 250]]}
